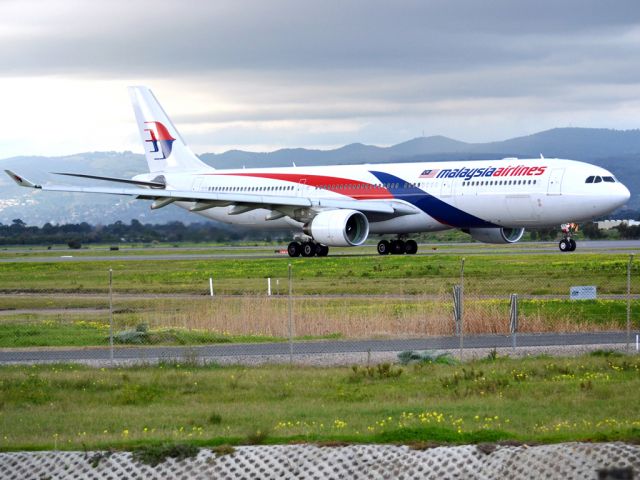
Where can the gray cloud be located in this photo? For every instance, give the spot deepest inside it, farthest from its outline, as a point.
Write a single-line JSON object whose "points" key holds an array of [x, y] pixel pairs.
{"points": [[402, 63], [166, 38]]}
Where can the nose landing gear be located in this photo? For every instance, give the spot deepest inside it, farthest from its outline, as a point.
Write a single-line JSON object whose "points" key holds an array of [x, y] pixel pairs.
{"points": [[568, 244]]}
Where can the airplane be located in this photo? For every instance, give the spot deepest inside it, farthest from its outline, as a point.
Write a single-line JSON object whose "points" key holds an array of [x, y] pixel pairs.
{"points": [[491, 200]]}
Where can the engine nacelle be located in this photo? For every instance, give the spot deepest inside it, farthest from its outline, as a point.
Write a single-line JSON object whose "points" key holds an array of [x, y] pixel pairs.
{"points": [[496, 235], [338, 228]]}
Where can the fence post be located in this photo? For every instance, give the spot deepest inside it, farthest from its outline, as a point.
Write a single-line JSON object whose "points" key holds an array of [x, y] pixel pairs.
{"points": [[290, 316], [461, 307], [457, 300], [513, 324], [629, 302], [111, 316]]}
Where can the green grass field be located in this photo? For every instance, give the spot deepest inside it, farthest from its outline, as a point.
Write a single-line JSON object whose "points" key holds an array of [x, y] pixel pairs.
{"points": [[81, 333], [421, 285], [367, 274], [532, 400]]}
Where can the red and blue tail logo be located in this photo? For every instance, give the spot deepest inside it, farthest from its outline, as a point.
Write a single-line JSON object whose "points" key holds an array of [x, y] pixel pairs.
{"points": [[160, 139]]}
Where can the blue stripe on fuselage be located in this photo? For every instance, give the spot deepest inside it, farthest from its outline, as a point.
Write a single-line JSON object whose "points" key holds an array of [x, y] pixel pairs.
{"points": [[432, 206]]}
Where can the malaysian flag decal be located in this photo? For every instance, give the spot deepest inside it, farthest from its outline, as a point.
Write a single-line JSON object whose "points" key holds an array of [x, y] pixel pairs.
{"points": [[429, 173]]}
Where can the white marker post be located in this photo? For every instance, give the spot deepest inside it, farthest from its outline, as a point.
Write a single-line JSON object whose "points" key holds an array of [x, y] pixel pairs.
{"points": [[211, 286], [269, 286]]}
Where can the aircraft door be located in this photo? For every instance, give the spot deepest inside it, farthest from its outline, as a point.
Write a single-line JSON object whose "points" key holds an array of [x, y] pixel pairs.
{"points": [[197, 183], [302, 186], [555, 182], [446, 187]]}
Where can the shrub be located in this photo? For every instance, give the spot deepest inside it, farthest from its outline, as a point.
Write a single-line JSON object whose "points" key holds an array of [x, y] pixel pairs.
{"points": [[257, 437], [605, 353], [156, 454], [380, 371], [74, 244], [215, 419], [138, 336], [409, 356], [222, 450]]}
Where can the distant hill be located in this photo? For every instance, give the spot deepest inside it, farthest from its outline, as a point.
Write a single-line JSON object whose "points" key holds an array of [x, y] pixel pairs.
{"points": [[618, 151], [586, 144], [38, 208]]}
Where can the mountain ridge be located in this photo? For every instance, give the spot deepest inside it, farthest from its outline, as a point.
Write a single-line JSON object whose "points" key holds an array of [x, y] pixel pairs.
{"points": [[616, 150]]}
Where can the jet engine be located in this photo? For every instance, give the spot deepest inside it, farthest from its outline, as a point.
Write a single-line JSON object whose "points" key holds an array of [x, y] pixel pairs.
{"points": [[496, 235], [338, 228]]}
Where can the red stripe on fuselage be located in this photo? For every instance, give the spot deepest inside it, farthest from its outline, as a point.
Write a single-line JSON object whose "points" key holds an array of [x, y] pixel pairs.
{"points": [[343, 186]]}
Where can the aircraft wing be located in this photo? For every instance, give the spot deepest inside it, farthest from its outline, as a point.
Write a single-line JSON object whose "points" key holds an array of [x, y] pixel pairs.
{"points": [[205, 200]]}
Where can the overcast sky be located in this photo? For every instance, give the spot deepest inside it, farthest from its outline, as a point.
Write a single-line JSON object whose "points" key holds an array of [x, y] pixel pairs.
{"points": [[261, 75]]}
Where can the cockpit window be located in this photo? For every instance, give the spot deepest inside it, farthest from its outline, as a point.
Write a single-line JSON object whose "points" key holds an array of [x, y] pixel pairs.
{"points": [[598, 180], [609, 179], [590, 179]]}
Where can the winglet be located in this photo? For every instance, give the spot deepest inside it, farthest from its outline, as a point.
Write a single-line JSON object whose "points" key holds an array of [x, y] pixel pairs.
{"points": [[23, 182]]}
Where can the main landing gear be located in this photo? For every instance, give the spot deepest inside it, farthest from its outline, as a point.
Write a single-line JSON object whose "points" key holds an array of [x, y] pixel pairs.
{"points": [[397, 247], [568, 244], [307, 249]]}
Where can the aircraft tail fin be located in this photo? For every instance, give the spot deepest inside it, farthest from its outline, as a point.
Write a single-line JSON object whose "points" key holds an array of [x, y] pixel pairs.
{"points": [[164, 148]]}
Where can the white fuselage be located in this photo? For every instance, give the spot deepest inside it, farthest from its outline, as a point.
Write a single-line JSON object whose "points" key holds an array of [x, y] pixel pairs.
{"points": [[491, 200], [463, 194]]}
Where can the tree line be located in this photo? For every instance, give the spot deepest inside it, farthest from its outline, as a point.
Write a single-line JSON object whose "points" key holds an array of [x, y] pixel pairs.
{"points": [[74, 234], [77, 234]]}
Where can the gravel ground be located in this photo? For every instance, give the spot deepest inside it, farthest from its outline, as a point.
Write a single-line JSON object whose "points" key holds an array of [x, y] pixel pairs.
{"points": [[354, 358]]}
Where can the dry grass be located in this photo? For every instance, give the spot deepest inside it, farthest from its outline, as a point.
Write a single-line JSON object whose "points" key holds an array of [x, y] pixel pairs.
{"points": [[350, 318]]}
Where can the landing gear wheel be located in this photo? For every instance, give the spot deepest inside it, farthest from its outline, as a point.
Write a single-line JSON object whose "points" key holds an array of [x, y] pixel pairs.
{"points": [[383, 247], [322, 250], [410, 247], [564, 245], [568, 244], [308, 249], [397, 247], [294, 249]]}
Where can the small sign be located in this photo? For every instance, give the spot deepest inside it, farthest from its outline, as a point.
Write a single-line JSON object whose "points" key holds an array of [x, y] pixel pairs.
{"points": [[583, 293]]}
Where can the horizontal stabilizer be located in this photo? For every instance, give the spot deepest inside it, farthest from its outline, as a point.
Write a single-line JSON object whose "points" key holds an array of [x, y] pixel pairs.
{"points": [[114, 179]]}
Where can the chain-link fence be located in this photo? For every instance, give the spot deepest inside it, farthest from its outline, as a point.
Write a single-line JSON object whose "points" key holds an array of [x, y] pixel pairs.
{"points": [[448, 305]]}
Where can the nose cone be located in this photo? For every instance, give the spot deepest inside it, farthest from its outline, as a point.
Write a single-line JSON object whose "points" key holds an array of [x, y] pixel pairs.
{"points": [[622, 195]]}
